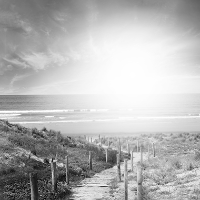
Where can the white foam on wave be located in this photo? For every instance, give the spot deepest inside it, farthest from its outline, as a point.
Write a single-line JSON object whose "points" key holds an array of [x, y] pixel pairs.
{"points": [[9, 115], [58, 121], [49, 116], [109, 120], [171, 117], [70, 121], [51, 111], [62, 117]]}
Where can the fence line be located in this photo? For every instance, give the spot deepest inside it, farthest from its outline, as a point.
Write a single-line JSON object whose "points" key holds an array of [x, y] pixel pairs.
{"points": [[132, 161], [137, 146], [90, 160], [141, 154], [106, 155], [139, 183], [154, 152], [33, 176], [34, 186], [67, 169], [118, 167], [53, 176], [125, 180]]}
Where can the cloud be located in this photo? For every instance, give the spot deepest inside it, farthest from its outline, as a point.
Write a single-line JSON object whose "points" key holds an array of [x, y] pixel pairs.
{"points": [[48, 37], [37, 61], [3, 68], [41, 61], [17, 78], [14, 62], [12, 21]]}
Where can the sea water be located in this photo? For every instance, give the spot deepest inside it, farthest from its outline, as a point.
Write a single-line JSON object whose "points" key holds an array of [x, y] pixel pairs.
{"points": [[104, 113]]}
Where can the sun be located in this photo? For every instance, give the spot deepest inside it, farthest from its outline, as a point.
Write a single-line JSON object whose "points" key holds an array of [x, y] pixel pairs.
{"points": [[134, 69]]}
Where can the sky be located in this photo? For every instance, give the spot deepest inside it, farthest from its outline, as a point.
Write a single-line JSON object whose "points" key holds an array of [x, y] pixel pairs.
{"points": [[99, 46]]}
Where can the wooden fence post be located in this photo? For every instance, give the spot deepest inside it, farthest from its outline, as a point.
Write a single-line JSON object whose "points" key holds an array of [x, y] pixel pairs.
{"points": [[154, 152], [90, 160], [128, 149], [56, 156], [125, 179], [137, 146], [34, 186], [67, 169], [119, 148], [139, 183], [132, 161], [106, 155], [118, 167], [141, 154], [53, 176]]}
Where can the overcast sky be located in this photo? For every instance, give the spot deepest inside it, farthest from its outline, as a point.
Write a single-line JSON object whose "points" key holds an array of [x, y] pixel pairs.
{"points": [[99, 46]]}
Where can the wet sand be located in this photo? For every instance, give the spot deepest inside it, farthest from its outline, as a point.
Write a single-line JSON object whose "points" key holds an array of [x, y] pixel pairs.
{"points": [[124, 127]]}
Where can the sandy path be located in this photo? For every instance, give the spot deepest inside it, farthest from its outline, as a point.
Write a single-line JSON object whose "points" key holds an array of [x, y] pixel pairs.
{"points": [[103, 185]]}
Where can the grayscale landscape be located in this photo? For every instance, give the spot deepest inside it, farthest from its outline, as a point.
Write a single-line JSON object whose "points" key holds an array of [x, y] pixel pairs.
{"points": [[99, 99]]}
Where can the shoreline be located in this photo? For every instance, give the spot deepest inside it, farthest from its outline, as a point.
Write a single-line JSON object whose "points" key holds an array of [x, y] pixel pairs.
{"points": [[125, 127]]}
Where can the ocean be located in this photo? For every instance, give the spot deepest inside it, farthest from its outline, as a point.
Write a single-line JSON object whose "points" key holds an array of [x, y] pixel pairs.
{"points": [[106, 114]]}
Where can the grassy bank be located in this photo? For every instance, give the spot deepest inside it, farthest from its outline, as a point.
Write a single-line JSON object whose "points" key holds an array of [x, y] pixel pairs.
{"points": [[24, 150], [174, 172]]}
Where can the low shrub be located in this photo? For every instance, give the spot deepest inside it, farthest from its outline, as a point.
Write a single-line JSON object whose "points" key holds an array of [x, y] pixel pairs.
{"points": [[163, 176], [197, 155], [112, 156], [33, 151], [5, 170]]}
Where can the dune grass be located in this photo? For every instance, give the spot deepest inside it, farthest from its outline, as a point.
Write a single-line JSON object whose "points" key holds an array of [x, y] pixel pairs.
{"points": [[22, 144]]}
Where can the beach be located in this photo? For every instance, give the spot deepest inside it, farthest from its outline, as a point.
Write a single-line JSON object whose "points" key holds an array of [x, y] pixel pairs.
{"points": [[104, 114]]}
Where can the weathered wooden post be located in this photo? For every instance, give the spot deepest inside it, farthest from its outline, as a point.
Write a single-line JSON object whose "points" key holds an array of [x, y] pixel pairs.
{"points": [[132, 161], [154, 152], [118, 168], [56, 157], [139, 183], [119, 147], [141, 154], [99, 138], [106, 155], [90, 160], [108, 142], [67, 169], [128, 149], [137, 146], [34, 186], [125, 180], [53, 176]]}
